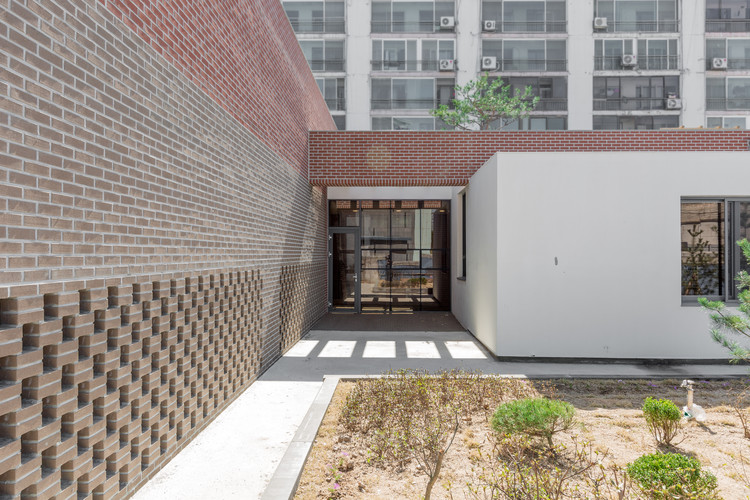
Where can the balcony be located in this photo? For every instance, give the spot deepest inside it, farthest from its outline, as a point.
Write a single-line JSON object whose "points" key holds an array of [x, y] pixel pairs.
{"points": [[727, 25], [408, 103], [533, 26], [334, 65], [333, 25], [722, 104], [412, 65], [407, 27], [642, 26], [552, 104], [631, 104], [614, 63], [336, 103], [739, 64], [533, 65]]}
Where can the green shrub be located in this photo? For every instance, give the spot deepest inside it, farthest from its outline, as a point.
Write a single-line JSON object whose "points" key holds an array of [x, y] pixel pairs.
{"points": [[663, 419], [672, 476], [538, 417]]}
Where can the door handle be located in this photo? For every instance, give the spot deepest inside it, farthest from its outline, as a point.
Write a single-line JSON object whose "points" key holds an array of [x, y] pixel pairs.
{"points": [[355, 277]]}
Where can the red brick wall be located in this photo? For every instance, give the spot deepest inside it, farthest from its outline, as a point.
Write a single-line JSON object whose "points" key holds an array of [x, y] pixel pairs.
{"points": [[244, 54], [160, 244], [450, 158]]}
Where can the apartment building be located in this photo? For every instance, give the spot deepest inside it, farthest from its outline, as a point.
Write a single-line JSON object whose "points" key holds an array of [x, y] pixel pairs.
{"points": [[595, 64]]}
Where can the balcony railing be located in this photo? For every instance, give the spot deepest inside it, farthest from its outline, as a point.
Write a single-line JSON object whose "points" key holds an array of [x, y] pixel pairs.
{"points": [[731, 63], [533, 65], [727, 25], [332, 25], [336, 103], [406, 27], [552, 104], [327, 64], [409, 103], [614, 63], [630, 104], [742, 103], [533, 26], [643, 26], [411, 65]]}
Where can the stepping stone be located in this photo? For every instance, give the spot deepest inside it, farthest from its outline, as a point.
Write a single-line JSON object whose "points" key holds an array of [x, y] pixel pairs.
{"points": [[421, 349], [338, 349], [464, 349], [380, 349], [301, 349]]}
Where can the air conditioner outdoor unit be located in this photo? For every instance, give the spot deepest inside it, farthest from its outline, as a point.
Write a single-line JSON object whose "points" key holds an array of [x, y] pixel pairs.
{"points": [[719, 63], [489, 63], [489, 26], [674, 103], [600, 23], [447, 22], [447, 65], [628, 60]]}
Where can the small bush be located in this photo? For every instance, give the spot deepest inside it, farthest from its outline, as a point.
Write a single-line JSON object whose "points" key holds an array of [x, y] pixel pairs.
{"points": [[672, 476], [663, 419], [538, 417]]}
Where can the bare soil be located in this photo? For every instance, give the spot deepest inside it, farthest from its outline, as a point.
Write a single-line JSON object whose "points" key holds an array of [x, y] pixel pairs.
{"points": [[608, 416]]}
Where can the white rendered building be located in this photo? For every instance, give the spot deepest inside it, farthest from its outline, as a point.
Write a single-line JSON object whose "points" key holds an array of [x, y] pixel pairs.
{"points": [[595, 64]]}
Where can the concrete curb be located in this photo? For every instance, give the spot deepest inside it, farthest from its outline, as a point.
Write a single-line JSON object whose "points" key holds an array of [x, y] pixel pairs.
{"points": [[285, 480]]}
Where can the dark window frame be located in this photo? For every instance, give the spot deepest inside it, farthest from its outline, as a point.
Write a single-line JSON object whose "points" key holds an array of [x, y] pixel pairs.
{"points": [[730, 255]]}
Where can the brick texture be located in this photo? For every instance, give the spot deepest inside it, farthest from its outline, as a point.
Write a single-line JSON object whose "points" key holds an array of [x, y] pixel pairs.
{"points": [[244, 54], [159, 241], [450, 158]]}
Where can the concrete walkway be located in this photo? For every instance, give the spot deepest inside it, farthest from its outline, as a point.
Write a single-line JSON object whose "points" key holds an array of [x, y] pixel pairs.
{"points": [[237, 455]]}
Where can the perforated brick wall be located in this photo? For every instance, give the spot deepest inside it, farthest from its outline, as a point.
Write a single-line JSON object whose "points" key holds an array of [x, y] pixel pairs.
{"points": [[151, 191], [446, 158]]}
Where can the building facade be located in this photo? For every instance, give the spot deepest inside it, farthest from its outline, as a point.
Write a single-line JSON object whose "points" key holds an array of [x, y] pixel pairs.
{"points": [[595, 64], [177, 209]]}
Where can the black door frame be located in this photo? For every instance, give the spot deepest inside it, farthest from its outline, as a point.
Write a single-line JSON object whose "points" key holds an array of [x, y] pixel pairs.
{"points": [[357, 268]]}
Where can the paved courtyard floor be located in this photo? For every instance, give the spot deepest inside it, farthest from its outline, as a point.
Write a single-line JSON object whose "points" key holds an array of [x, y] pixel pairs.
{"points": [[237, 455]]}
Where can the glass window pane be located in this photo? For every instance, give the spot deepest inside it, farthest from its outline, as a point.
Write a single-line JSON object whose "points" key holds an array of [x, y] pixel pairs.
{"points": [[702, 230], [635, 15], [738, 93], [742, 231], [606, 8], [381, 93], [343, 213], [713, 122], [381, 123], [492, 11], [738, 53], [492, 48], [556, 123], [523, 16], [381, 16], [334, 56], [738, 122], [715, 48]]}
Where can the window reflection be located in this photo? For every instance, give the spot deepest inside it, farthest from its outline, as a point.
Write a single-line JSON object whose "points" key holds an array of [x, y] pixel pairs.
{"points": [[404, 250], [702, 228]]}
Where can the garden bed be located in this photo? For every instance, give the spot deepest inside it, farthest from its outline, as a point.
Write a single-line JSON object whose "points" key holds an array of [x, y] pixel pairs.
{"points": [[609, 432]]}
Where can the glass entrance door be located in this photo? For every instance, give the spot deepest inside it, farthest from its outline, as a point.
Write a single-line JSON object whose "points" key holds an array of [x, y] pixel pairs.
{"points": [[344, 260]]}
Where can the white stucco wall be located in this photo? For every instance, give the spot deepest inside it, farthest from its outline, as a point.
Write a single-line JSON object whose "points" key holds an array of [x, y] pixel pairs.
{"points": [[588, 253], [474, 301]]}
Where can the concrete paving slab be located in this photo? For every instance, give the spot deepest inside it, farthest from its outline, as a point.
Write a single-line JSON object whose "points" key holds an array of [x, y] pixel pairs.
{"points": [[236, 455], [464, 349], [302, 348], [421, 349], [380, 349], [338, 349]]}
